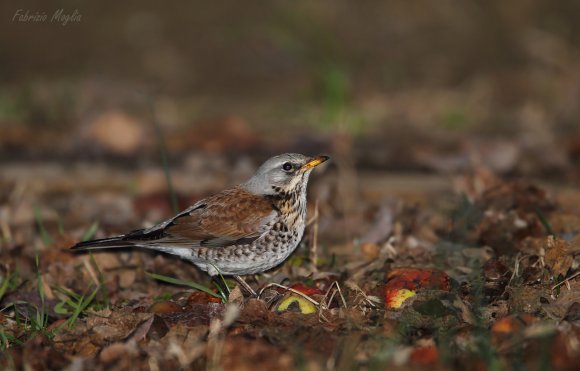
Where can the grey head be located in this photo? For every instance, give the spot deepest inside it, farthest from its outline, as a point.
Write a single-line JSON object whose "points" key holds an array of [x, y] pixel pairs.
{"points": [[283, 174]]}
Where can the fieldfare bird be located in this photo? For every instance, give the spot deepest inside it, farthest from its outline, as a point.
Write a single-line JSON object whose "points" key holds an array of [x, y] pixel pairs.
{"points": [[247, 229]]}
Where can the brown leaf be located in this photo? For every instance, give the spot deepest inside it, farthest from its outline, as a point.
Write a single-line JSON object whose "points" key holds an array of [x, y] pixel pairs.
{"points": [[558, 258], [199, 297]]}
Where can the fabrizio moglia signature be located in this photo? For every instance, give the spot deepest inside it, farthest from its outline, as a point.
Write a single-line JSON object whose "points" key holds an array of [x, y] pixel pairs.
{"points": [[59, 16]]}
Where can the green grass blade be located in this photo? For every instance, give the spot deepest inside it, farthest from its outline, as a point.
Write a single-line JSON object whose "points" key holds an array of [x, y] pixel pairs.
{"points": [[545, 222], [41, 315], [4, 341], [68, 293], [60, 307], [60, 226], [90, 233], [4, 286], [80, 307], [164, 161], [177, 281], [39, 279], [46, 238], [224, 295], [101, 280]]}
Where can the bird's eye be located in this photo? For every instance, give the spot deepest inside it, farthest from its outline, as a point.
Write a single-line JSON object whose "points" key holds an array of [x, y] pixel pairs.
{"points": [[287, 166]]}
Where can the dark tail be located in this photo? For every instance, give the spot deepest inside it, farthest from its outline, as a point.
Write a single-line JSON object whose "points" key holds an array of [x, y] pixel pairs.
{"points": [[138, 237], [104, 243]]}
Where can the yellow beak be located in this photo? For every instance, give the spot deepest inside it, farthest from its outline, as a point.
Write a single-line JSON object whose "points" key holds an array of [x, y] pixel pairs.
{"points": [[314, 161]]}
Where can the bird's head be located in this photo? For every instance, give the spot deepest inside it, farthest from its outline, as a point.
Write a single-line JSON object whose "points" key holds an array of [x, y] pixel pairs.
{"points": [[283, 174]]}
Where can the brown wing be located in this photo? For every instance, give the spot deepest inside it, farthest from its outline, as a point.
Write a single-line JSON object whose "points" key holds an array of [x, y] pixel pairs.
{"points": [[218, 220]]}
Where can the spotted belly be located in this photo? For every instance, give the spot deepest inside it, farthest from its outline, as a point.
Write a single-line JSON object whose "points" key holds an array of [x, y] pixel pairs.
{"points": [[265, 253]]}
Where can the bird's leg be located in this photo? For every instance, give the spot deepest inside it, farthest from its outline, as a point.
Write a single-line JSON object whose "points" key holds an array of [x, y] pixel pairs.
{"points": [[245, 285]]}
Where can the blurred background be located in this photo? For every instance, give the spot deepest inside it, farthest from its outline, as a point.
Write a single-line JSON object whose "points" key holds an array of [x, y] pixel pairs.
{"points": [[454, 132], [389, 87]]}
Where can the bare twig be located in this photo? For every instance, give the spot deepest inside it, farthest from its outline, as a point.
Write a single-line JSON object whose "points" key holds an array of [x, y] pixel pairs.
{"points": [[517, 262], [566, 281], [367, 300], [291, 290], [313, 251], [334, 288], [91, 271]]}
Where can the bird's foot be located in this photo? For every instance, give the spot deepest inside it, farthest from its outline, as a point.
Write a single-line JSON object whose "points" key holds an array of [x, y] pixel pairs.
{"points": [[246, 287]]}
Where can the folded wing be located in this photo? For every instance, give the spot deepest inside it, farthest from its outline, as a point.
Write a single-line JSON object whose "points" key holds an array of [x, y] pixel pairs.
{"points": [[229, 217]]}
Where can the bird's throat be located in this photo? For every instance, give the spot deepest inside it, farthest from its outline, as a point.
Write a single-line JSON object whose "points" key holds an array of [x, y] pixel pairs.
{"points": [[292, 206]]}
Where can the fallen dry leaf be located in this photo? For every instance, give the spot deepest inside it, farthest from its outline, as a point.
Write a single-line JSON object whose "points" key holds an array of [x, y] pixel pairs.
{"points": [[557, 257], [165, 307]]}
